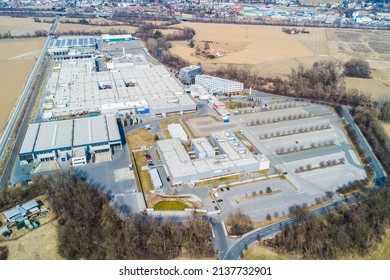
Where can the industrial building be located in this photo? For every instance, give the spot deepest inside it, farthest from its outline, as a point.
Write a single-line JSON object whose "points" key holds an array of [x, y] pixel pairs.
{"points": [[75, 140], [187, 74], [177, 131], [217, 85], [233, 158], [129, 85], [116, 38], [71, 47], [202, 147]]}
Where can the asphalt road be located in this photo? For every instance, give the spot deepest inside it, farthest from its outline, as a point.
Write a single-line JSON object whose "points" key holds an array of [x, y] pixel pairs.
{"points": [[380, 174], [234, 252]]}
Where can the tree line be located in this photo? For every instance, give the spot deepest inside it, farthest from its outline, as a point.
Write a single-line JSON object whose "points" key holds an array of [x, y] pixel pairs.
{"points": [[90, 229], [112, 31], [37, 33], [9, 197], [367, 120], [158, 44]]}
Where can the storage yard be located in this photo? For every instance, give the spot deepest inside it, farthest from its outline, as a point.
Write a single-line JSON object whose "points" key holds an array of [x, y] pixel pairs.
{"points": [[304, 140]]}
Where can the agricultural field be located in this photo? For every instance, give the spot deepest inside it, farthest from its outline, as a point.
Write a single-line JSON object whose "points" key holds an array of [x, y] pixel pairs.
{"points": [[17, 58], [241, 44], [66, 27], [21, 26], [270, 52]]}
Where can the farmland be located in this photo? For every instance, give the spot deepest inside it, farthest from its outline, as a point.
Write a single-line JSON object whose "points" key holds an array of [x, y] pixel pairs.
{"points": [[270, 52], [21, 26], [16, 61]]}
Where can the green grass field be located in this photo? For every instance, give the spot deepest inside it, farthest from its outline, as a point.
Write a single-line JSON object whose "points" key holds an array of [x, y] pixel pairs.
{"points": [[170, 206], [383, 251]]}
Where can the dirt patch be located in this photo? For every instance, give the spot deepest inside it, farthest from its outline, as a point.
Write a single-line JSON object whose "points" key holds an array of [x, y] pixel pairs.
{"points": [[17, 58], [262, 252], [243, 44], [39, 244]]}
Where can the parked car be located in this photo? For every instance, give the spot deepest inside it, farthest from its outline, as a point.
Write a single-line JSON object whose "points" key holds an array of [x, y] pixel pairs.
{"points": [[148, 157]]}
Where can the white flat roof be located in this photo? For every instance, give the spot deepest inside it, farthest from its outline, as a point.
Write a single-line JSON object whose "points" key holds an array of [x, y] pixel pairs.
{"points": [[76, 86], [202, 144]]}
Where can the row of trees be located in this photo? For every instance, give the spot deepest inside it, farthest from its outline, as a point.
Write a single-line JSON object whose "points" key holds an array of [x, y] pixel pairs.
{"points": [[9, 197], [367, 120], [324, 81], [37, 33], [159, 44], [350, 230], [112, 31], [90, 229]]}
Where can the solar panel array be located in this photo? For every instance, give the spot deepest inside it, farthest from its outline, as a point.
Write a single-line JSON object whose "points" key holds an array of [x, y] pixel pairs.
{"points": [[71, 43]]}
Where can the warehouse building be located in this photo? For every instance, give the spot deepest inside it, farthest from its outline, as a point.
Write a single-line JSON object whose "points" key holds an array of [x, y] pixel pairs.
{"points": [[234, 158], [71, 47], [217, 85], [74, 140], [187, 74], [116, 38], [130, 85]]}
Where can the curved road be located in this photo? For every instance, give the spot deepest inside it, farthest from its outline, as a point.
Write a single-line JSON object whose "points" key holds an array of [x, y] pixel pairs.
{"points": [[234, 252], [380, 173]]}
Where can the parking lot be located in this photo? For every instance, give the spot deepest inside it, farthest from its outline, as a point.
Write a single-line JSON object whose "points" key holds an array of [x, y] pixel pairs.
{"points": [[258, 206], [313, 143]]}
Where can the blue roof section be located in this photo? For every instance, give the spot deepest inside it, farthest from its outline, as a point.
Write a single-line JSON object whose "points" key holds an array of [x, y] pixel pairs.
{"points": [[30, 205], [72, 42]]}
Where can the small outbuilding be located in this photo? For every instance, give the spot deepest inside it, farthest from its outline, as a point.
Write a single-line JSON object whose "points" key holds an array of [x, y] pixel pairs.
{"points": [[21, 211]]}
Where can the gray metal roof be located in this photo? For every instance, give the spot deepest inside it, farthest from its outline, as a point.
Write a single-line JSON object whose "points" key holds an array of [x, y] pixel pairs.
{"points": [[29, 138], [54, 135], [90, 131], [112, 127], [70, 133]]}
